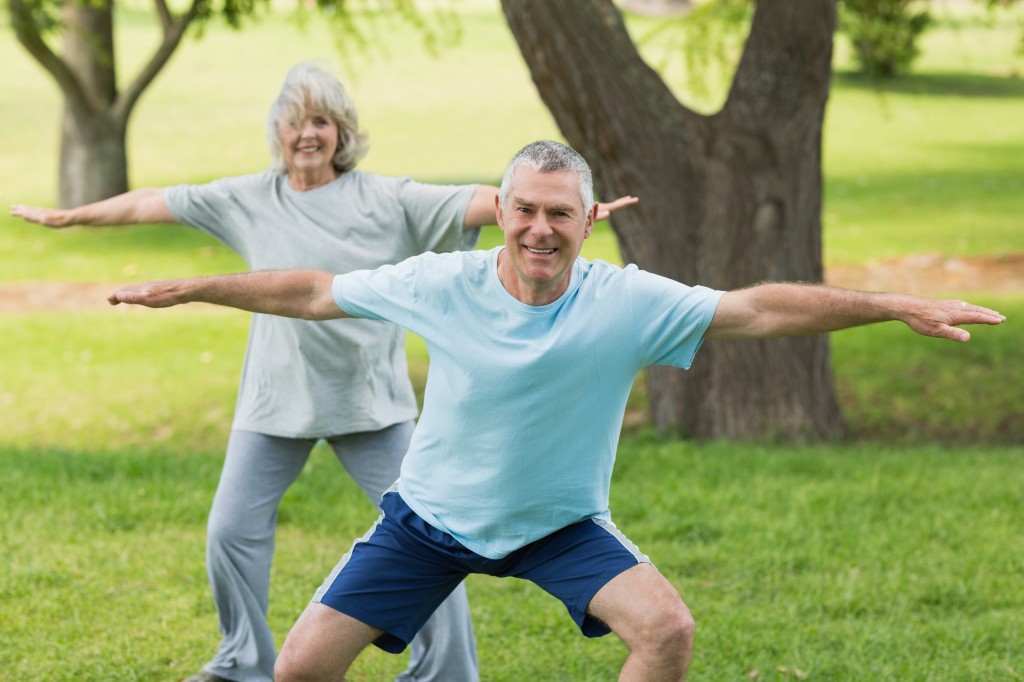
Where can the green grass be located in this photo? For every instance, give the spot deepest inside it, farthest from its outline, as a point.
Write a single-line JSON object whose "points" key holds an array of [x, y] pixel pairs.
{"points": [[898, 388], [844, 563]]}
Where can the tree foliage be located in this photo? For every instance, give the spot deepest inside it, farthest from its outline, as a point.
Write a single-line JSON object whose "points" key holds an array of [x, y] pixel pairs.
{"points": [[884, 33]]}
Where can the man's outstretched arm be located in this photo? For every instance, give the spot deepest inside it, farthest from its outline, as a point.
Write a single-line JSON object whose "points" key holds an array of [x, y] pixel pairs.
{"points": [[304, 294], [773, 310]]}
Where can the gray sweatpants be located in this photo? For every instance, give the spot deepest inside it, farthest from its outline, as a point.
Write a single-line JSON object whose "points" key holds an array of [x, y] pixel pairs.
{"points": [[257, 471]]}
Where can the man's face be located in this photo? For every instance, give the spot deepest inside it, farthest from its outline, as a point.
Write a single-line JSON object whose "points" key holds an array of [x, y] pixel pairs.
{"points": [[544, 225]]}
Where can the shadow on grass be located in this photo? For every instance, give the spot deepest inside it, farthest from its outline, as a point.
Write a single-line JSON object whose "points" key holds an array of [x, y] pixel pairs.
{"points": [[944, 84]]}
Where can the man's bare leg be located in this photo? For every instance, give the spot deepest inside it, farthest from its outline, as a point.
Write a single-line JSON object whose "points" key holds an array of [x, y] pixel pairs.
{"points": [[322, 645], [646, 612]]}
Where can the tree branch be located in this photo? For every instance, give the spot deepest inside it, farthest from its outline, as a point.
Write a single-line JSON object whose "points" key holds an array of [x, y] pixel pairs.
{"points": [[164, 14], [26, 29], [174, 30], [788, 52]]}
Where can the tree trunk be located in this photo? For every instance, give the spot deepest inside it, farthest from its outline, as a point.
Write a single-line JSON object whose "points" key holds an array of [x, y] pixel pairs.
{"points": [[726, 201], [93, 159]]}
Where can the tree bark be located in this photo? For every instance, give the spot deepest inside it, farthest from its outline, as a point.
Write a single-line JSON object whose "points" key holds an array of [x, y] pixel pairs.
{"points": [[93, 159], [727, 200]]}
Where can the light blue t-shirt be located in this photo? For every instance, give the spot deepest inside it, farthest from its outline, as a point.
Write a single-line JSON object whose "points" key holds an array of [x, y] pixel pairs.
{"points": [[523, 404]]}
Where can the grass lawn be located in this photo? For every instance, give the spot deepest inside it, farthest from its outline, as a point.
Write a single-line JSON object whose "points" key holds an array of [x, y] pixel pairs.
{"points": [[822, 563], [897, 556]]}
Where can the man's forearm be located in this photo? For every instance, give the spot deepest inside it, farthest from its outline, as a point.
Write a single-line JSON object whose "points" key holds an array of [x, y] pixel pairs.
{"points": [[793, 309], [303, 294], [773, 310]]}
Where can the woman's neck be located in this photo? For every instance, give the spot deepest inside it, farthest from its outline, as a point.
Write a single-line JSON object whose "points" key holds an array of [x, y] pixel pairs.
{"points": [[303, 181]]}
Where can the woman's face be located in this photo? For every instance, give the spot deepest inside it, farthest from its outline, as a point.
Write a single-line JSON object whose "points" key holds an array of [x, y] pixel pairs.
{"points": [[309, 144]]}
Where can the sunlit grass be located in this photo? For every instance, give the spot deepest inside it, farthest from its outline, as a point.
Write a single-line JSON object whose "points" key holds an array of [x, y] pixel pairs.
{"points": [[841, 563]]}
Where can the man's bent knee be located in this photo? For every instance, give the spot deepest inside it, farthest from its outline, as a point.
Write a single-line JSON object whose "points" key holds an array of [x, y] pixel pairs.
{"points": [[322, 645], [669, 627]]}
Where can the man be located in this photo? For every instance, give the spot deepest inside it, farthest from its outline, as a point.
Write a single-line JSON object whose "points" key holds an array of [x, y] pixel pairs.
{"points": [[533, 353]]}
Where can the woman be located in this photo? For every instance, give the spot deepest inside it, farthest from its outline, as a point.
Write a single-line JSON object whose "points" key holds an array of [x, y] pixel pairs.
{"points": [[344, 382]]}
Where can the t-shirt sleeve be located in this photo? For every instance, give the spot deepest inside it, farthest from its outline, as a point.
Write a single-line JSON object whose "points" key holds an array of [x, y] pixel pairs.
{"points": [[213, 208], [436, 215], [670, 318], [386, 293]]}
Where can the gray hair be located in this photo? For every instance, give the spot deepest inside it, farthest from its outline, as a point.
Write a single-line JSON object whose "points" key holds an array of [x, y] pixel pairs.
{"points": [[547, 156], [309, 87]]}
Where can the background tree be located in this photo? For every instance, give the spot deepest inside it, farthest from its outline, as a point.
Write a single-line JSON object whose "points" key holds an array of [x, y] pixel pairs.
{"points": [[93, 160], [93, 157], [728, 199], [884, 33]]}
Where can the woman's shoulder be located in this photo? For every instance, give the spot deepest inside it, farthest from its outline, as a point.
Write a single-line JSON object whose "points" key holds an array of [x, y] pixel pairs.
{"points": [[238, 184]]}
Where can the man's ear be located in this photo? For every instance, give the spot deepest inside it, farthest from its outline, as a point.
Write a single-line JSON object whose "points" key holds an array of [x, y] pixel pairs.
{"points": [[591, 219], [499, 216]]}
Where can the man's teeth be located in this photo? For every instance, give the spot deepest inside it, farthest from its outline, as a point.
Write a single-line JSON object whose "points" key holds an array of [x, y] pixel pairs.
{"points": [[540, 251]]}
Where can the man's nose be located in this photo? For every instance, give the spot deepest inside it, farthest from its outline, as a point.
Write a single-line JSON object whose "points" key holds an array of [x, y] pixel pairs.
{"points": [[541, 225]]}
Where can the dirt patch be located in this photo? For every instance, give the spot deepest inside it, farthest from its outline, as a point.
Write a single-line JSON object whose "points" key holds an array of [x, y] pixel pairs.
{"points": [[23, 297], [926, 275], [934, 275]]}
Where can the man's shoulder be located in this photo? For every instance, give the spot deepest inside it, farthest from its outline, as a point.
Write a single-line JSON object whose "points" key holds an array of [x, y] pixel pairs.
{"points": [[600, 272], [452, 261]]}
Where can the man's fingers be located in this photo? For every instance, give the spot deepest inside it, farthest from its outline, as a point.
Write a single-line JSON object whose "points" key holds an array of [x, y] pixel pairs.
{"points": [[980, 314], [128, 296], [605, 209]]}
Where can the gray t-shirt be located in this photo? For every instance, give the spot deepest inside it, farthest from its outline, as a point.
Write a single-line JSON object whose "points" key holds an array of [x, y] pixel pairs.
{"points": [[305, 379]]}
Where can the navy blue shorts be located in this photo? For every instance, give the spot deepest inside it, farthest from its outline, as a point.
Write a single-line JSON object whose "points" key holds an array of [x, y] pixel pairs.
{"points": [[396, 575]]}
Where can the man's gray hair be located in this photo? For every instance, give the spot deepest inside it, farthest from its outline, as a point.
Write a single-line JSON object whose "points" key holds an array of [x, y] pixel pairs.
{"points": [[308, 87], [547, 156]]}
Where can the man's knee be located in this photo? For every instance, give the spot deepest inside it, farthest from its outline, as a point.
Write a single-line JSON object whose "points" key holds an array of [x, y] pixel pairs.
{"points": [[322, 645], [669, 627], [290, 668]]}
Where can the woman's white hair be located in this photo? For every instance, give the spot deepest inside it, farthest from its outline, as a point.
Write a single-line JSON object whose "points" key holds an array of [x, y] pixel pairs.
{"points": [[308, 87], [547, 156]]}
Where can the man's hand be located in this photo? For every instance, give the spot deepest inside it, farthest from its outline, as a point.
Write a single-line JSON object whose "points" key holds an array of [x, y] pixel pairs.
{"points": [[50, 217], [605, 210], [941, 319], [163, 294]]}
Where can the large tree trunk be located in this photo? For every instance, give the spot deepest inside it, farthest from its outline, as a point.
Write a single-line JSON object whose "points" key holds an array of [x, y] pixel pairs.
{"points": [[726, 201], [93, 160]]}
